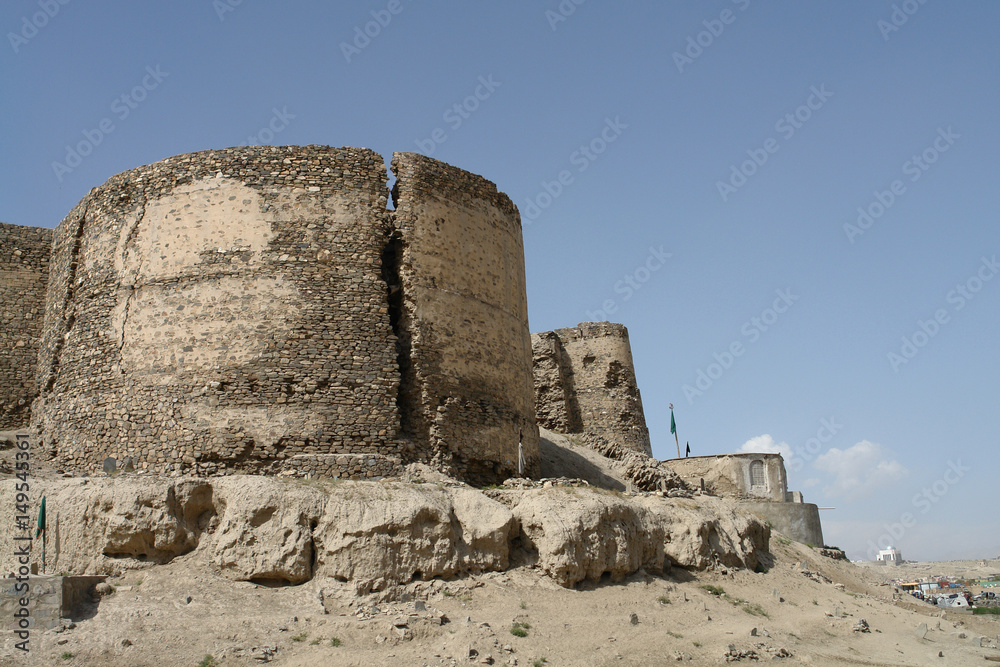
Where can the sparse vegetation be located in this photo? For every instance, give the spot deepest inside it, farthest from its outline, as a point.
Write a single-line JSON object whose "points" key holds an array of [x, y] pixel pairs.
{"points": [[663, 599], [979, 611], [519, 629], [784, 541], [524, 605], [335, 642], [300, 637], [675, 635], [714, 590], [753, 609], [539, 662], [69, 656], [696, 644], [815, 603], [314, 642], [207, 661]]}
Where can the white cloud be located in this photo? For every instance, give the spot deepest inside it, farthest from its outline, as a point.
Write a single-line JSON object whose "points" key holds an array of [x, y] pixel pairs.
{"points": [[859, 470], [809, 483], [765, 444]]}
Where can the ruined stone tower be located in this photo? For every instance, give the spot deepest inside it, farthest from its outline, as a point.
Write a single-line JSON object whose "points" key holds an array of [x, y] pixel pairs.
{"points": [[24, 274], [585, 383], [260, 309]]}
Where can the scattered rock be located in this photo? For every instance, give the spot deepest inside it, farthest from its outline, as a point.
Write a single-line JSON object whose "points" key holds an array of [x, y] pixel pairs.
{"points": [[735, 655], [104, 589], [861, 626], [921, 631], [633, 618]]}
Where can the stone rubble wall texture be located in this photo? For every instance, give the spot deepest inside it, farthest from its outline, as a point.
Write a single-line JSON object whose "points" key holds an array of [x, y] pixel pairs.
{"points": [[24, 269], [585, 383], [260, 310], [461, 267]]}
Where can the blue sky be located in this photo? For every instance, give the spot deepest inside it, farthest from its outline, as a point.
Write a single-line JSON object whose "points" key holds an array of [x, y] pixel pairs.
{"points": [[737, 137]]}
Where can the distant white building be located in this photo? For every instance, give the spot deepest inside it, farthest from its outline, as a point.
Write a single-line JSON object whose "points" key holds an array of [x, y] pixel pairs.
{"points": [[889, 556]]}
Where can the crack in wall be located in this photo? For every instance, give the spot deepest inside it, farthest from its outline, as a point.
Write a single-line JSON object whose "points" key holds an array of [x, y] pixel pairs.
{"points": [[68, 322]]}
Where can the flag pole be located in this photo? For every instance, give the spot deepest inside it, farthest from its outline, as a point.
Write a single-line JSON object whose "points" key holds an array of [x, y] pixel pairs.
{"points": [[673, 429]]}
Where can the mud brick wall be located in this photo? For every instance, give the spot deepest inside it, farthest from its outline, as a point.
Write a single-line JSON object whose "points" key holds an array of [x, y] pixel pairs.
{"points": [[585, 383], [466, 346], [24, 270], [51, 599], [222, 311]]}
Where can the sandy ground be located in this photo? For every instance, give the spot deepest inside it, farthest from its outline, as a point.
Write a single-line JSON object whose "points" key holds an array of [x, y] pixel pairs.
{"points": [[802, 611], [149, 621]]}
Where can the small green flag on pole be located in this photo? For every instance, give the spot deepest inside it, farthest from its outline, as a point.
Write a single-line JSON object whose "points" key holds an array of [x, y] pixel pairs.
{"points": [[41, 519], [41, 530]]}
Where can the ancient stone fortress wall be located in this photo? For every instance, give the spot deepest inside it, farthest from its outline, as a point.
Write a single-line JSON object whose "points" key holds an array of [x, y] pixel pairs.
{"points": [[466, 347], [585, 383], [24, 274], [238, 311]]}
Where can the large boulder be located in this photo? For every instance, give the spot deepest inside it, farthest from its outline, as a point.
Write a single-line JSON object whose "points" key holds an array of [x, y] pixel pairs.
{"points": [[574, 533], [703, 532], [265, 529], [104, 526], [376, 535]]}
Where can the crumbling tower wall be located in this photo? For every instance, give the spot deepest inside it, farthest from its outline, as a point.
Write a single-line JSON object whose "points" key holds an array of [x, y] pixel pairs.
{"points": [[467, 375], [585, 383], [224, 311], [24, 274], [260, 310]]}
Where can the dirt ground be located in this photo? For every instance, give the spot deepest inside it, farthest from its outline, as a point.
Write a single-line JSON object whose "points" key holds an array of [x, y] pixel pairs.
{"points": [[803, 610], [181, 613]]}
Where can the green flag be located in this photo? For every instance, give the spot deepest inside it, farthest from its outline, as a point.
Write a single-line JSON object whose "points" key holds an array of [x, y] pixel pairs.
{"points": [[41, 519], [673, 424]]}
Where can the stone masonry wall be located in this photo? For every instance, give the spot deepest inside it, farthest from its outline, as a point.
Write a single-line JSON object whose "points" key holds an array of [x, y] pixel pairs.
{"points": [[260, 310], [466, 349], [585, 383], [223, 311], [24, 268]]}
